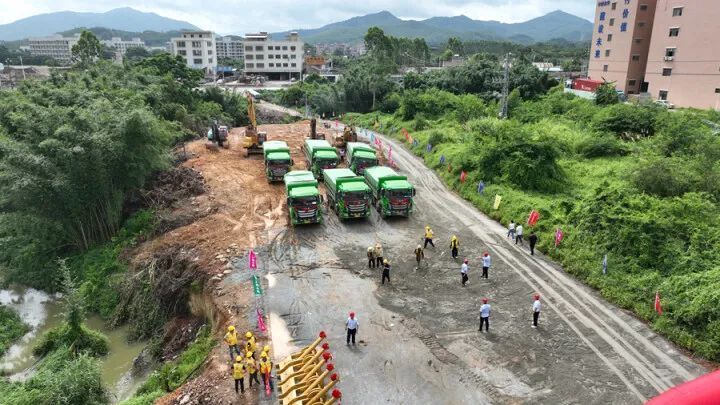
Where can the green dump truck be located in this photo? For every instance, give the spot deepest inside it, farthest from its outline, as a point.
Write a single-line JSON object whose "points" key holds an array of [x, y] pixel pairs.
{"points": [[347, 193], [277, 160], [320, 155], [392, 194], [359, 156], [303, 198]]}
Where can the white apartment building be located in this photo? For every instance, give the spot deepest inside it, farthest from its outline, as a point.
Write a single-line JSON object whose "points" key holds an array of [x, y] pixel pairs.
{"points": [[198, 50], [56, 47], [122, 46], [278, 60], [230, 47]]}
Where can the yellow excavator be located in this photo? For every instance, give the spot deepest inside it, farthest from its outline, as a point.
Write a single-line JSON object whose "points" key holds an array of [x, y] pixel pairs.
{"points": [[253, 141], [340, 141]]}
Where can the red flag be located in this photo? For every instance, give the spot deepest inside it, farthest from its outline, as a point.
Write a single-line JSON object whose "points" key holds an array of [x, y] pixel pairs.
{"points": [[658, 307], [533, 218], [390, 153], [406, 133], [463, 176], [252, 260], [558, 237]]}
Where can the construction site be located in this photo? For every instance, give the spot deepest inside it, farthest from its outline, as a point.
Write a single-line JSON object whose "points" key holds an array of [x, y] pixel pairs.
{"points": [[294, 284]]}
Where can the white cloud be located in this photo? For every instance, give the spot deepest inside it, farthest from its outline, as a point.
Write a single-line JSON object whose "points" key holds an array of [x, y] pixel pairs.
{"points": [[239, 16]]}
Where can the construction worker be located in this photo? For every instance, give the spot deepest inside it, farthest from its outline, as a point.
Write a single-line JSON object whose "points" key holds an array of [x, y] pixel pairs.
{"points": [[250, 345], [231, 339], [266, 350], [519, 234], [386, 271], [454, 246], [379, 260], [486, 264], [536, 310], [371, 257], [485, 315], [352, 327], [251, 368], [239, 374], [419, 255], [428, 237], [533, 241], [216, 134], [266, 369], [464, 272]]}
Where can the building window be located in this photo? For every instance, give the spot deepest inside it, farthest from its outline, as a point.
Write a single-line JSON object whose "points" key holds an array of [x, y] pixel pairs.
{"points": [[258, 48], [250, 65], [197, 61], [667, 71], [285, 56], [670, 52], [632, 83], [260, 65], [248, 48], [271, 56], [605, 68], [674, 32], [197, 53], [623, 27], [613, 6], [285, 65], [284, 48], [641, 24], [271, 65], [181, 44], [597, 53], [249, 57], [293, 56], [209, 43], [259, 57], [609, 37], [183, 53], [717, 90], [663, 95], [643, 7], [277, 56], [677, 11], [277, 48], [196, 44], [210, 60], [292, 48], [601, 28], [607, 53], [293, 65], [602, 16], [209, 51], [612, 22], [638, 40], [636, 58], [199, 35]]}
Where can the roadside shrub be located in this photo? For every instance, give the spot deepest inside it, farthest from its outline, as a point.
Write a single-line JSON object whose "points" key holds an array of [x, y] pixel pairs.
{"points": [[526, 164], [663, 177], [391, 103], [436, 137], [420, 122], [629, 121], [11, 327], [84, 340], [600, 146]]}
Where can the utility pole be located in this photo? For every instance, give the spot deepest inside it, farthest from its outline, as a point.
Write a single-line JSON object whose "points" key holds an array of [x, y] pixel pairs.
{"points": [[506, 87], [22, 67]]}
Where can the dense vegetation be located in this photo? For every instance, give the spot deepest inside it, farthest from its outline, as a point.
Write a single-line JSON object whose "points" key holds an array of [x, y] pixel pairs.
{"points": [[635, 182], [11, 327]]}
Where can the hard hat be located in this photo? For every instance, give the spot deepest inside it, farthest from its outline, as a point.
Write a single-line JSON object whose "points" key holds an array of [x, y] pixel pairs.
{"points": [[370, 248], [385, 261], [427, 226], [263, 355], [231, 328], [248, 354], [486, 254], [352, 314], [419, 247], [248, 335], [266, 348], [537, 296], [238, 358], [484, 300], [454, 237], [466, 261]]}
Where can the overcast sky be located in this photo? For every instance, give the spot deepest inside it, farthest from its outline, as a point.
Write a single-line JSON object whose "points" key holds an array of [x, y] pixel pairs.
{"points": [[240, 16]]}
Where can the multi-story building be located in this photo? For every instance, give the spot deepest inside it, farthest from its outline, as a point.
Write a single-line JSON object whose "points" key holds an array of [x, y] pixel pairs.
{"points": [[620, 43], [198, 50], [278, 60], [230, 47], [121, 46], [684, 57], [56, 47]]}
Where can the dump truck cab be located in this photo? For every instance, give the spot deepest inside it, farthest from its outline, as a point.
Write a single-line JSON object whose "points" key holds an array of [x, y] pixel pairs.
{"points": [[303, 198], [320, 155], [392, 194], [277, 160], [359, 156], [347, 193]]}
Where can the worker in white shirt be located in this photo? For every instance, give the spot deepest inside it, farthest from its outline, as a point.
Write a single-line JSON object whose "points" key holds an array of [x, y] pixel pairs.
{"points": [[536, 310], [485, 315], [511, 230], [486, 264], [464, 272], [519, 234], [352, 327]]}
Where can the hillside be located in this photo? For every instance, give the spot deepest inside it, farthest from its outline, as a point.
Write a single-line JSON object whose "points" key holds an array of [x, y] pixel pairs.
{"points": [[435, 30], [126, 19]]}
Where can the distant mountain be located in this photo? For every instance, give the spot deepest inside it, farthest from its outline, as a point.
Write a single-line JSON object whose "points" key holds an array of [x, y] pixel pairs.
{"points": [[435, 30], [126, 19]]}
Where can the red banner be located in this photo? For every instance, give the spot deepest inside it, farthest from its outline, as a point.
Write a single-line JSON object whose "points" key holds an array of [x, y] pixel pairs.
{"points": [[658, 307], [463, 176], [261, 322], [252, 260], [533, 218]]}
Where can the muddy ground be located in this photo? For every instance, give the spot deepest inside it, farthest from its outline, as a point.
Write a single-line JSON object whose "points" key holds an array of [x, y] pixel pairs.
{"points": [[418, 335]]}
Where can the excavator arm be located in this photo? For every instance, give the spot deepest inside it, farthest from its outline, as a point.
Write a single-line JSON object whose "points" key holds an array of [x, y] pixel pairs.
{"points": [[251, 111]]}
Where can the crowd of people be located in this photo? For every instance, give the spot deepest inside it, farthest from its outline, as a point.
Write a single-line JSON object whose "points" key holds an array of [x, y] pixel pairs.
{"points": [[244, 363]]}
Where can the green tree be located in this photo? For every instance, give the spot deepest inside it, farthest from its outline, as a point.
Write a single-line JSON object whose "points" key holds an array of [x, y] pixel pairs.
{"points": [[87, 50], [137, 53], [455, 46], [605, 94]]}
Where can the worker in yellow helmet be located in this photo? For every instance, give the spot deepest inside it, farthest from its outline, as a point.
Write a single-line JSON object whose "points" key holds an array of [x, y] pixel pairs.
{"points": [[386, 271], [428, 237], [251, 368], [238, 371], [250, 345], [231, 338], [454, 246], [266, 369], [266, 350]]}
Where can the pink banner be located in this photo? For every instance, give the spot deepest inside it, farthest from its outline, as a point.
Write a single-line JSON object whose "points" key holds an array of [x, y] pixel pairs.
{"points": [[252, 260], [261, 322], [558, 237], [390, 153]]}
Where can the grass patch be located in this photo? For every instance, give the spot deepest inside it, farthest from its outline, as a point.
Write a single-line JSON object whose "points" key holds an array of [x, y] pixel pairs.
{"points": [[11, 327]]}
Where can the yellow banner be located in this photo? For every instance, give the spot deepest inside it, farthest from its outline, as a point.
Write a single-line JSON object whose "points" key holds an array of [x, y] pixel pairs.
{"points": [[497, 201]]}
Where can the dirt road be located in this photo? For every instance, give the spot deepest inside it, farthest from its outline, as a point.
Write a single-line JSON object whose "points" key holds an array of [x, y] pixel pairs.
{"points": [[419, 335]]}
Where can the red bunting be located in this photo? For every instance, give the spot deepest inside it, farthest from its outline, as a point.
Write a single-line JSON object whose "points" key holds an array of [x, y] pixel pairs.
{"points": [[533, 218], [463, 176], [658, 307]]}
